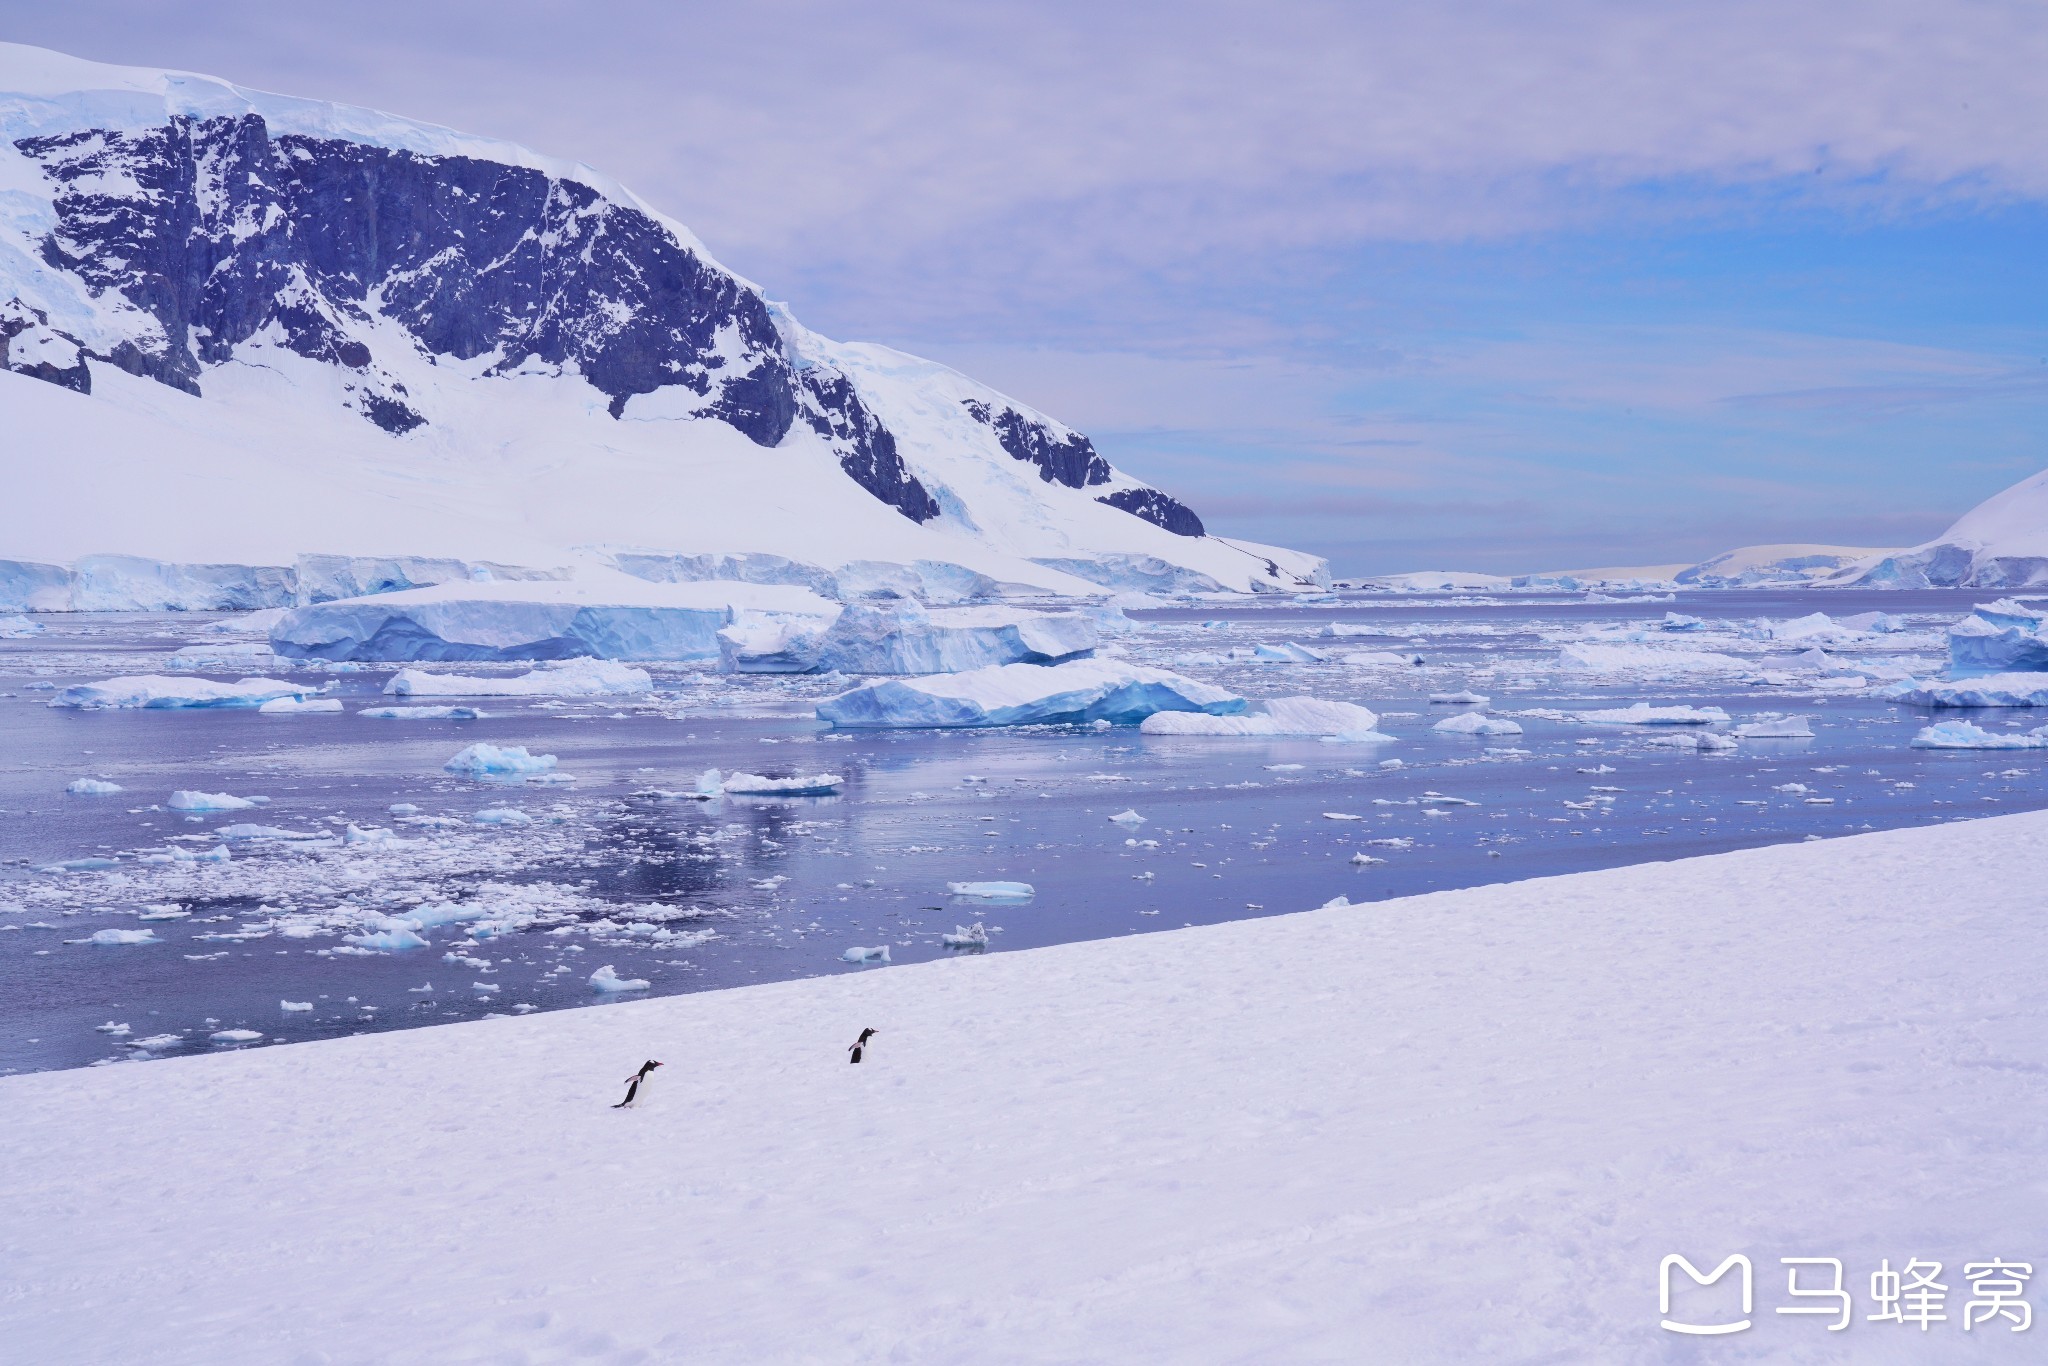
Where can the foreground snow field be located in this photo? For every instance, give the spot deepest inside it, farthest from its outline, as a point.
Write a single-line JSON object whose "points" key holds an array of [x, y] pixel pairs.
{"points": [[1464, 1126]]}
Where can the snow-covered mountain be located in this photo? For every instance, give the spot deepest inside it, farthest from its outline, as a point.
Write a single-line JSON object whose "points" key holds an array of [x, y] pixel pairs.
{"points": [[238, 326], [2000, 543]]}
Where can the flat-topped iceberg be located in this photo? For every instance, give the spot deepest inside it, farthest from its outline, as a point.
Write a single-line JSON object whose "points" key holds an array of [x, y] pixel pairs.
{"points": [[188, 799], [421, 713], [1276, 716], [1990, 690], [558, 678], [1963, 735], [92, 787], [155, 691], [992, 891], [599, 615], [302, 706], [903, 638], [796, 785], [1783, 728], [1027, 694]]}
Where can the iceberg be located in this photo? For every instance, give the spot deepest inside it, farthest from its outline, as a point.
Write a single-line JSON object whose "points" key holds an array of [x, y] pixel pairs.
{"points": [[123, 937], [1704, 740], [1963, 735], [1378, 658], [295, 706], [1643, 714], [1678, 621], [92, 787], [798, 785], [489, 761], [857, 954], [235, 1035], [1784, 728], [1459, 699], [1476, 723], [607, 979], [1026, 694], [1990, 690], [770, 643], [18, 627], [973, 936], [156, 691], [395, 938], [903, 638], [992, 891], [421, 713], [1999, 637], [188, 800], [256, 832], [502, 815], [1128, 818], [561, 678], [1275, 716], [1287, 652], [604, 615]]}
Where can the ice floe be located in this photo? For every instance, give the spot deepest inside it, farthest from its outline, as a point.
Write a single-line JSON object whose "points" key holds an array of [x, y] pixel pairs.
{"points": [[795, 785], [607, 979], [1274, 716], [557, 678], [1595, 658], [1783, 728], [92, 787], [1963, 735], [1989, 690], [973, 936], [422, 713], [152, 691], [294, 706], [858, 954], [483, 760], [992, 891], [1643, 714], [187, 799], [1477, 723], [904, 638], [1027, 694]]}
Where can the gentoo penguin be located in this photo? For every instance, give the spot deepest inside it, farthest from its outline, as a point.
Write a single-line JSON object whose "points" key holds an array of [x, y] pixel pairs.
{"points": [[635, 1082], [860, 1045]]}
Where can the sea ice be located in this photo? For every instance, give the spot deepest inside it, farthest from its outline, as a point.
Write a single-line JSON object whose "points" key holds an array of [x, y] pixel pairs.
{"points": [[1784, 728], [295, 1005], [558, 678], [482, 760], [293, 706], [796, 785], [1963, 735], [1459, 699], [1129, 818], [1647, 658], [1989, 690], [973, 936], [1287, 652], [1026, 694], [155, 691], [992, 891], [1643, 714], [1477, 723], [17, 627], [188, 800], [1274, 716], [422, 713], [236, 1035], [123, 937], [393, 939], [1377, 658], [92, 787], [1703, 740], [1677, 621], [607, 980], [878, 954], [502, 815]]}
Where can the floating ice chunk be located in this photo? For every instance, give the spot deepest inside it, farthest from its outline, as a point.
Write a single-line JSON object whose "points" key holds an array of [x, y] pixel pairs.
{"points": [[293, 706], [1643, 714], [156, 1043], [17, 627], [878, 954], [236, 1035], [119, 1031], [403, 809], [1879, 622], [796, 785], [1275, 716], [1678, 621], [1697, 739], [79, 865], [1026, 694], [92, 787], [249, 656], [1287, 652], [771, 643], [607, 980], [1783, 728], [166, 911], [1341, 816], [1477, 723], [186, 799], [489, 761], [502, 815], [1998, 637], [904, 638], [1378, 658], [217, 853], [559, 678], [375, 834], [422, 713], [393, 939], [1963, 735], [255, 623], [1459, 699], [1129, 818], [155, 691], [1339, 630], [262, 832], [295, 1005], [993, 891], [122, 937], [1365, 860], [973, 936], [1991, 690]]}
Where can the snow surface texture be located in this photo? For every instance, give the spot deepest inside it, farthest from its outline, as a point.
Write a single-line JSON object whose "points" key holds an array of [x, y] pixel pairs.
{"points": [[1459, 1127], [330, 332], [1027, 694]]}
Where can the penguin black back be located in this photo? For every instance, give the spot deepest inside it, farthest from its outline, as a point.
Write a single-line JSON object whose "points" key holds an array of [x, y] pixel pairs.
{"points": [[859, 1046], [634, 1082]]}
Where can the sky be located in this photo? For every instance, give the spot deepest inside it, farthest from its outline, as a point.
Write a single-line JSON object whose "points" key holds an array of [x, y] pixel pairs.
{"points": [[1494, 286]]}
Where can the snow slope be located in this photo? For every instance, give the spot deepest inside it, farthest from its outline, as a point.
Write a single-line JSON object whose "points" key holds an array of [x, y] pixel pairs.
{"points": [[2000, 543], [241, 327], [1458, 1127]]}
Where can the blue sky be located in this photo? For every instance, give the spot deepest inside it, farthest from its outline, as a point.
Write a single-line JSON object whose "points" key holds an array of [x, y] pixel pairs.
{"points": [[1495, 286]]}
